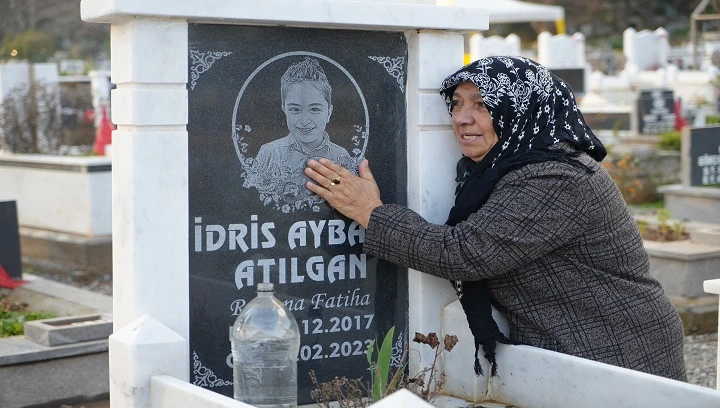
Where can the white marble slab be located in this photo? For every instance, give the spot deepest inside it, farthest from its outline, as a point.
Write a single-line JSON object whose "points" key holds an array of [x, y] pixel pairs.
{"points": [[308, 13], [535, 378], [57, 193]]}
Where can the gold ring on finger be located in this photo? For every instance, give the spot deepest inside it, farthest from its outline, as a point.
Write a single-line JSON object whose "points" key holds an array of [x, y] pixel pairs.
{"points": [[335, 181]]}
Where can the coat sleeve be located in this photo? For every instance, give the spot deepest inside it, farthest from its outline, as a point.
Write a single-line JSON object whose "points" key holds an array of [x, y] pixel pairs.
{"points": [[529, 214]]}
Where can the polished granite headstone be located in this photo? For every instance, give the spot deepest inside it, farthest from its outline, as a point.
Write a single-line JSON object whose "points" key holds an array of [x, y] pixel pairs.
{"points": [[655, 111], [575, 77], [704, 156], [251, 218], [10, 239]]}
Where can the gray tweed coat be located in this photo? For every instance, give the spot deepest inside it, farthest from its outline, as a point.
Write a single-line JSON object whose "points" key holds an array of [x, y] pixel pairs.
{"points": [[564, 260]]}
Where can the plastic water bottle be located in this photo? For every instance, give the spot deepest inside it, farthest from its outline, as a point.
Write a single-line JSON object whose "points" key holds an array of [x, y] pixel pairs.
{"points": [[265, 341]]}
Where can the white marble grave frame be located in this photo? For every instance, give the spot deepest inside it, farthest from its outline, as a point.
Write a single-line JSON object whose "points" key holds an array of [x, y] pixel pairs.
{"points": [[150, 158]]}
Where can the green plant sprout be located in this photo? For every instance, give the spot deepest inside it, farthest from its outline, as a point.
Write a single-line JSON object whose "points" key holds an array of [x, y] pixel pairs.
{"points": [[355, 394]]}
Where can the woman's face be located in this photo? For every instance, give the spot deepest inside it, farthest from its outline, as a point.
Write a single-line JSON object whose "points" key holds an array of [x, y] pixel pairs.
{"points": [[471, 122], [307, 112]]}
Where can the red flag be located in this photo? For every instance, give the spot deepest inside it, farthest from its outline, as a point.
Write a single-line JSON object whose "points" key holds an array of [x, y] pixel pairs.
{"points": [[680, 122], [7, 282], [103, 136]]}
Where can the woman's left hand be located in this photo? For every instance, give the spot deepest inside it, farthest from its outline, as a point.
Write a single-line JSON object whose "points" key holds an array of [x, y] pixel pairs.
{"points": [[355, 197]]}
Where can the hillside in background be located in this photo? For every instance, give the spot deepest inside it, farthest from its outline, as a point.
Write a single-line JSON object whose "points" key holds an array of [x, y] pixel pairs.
{"points": [[603, 21], [59, 19]]}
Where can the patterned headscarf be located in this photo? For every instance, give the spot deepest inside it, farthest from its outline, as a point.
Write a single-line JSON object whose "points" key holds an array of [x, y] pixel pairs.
{"points": [[530, 107], [531, 110]]}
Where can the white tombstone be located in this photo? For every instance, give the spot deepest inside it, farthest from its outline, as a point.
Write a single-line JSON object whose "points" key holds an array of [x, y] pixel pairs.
{"points": [[645, 50], [100, 87], [17, 74], [561, 51], [72, 67], [481, 47], [565, 56]]}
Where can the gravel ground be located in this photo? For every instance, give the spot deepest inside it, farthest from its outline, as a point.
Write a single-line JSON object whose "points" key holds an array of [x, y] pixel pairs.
{"points": [[700, 350], [701, 358]]}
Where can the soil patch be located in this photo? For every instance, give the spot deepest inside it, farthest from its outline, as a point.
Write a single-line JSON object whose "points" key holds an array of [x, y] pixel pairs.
{"points": [[654, 233], [13, 316]]}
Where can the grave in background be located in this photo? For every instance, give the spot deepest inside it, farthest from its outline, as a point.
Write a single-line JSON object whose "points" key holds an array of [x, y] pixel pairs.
{"points": [[654, 112], [10, 239], [697, 198], [683, 266], [565, 57]]}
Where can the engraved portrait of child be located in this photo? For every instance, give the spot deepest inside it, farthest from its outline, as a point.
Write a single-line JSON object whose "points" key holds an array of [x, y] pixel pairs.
{"points": [[306, 101]]}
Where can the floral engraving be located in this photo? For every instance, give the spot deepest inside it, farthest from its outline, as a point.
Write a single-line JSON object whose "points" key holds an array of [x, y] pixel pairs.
{"points": [[204, 377], [201, 63], [395, 67], [397, 351]]}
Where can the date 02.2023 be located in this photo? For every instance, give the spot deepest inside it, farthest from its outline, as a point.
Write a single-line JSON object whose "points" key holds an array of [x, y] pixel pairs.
{"points": [[344, 349]]}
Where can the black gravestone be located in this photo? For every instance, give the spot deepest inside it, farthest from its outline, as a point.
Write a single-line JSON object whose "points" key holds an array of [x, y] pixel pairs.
{"points": [[655, 111], [10, 240], [254, 121], [704, 156], [575, 77]]}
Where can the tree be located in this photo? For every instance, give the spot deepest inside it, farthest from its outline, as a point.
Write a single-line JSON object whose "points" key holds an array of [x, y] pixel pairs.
{"points": [[59, 20], [30, 120], [18, 16], [31, 45]]}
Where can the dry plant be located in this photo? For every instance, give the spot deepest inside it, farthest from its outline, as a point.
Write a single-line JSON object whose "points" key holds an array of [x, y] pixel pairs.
{"points": [[348, 393], [30, 119], [357, 393]]}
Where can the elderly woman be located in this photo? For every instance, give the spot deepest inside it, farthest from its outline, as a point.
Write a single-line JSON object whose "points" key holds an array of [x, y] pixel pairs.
{"points": [[538, 228]]}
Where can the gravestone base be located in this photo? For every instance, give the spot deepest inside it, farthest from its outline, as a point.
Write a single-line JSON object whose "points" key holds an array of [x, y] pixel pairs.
{"points": [[69, 380], [66, 254], [692, 203], [638, 141], [698, 315], [681, 267], [37, 375]]}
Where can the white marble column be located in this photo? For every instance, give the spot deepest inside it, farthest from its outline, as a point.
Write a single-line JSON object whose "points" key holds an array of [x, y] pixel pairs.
{"points": [[150, 196], [432, 155]]}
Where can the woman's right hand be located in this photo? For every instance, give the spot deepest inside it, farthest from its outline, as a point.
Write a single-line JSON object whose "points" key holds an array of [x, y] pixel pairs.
{"points": [[355, 197]]}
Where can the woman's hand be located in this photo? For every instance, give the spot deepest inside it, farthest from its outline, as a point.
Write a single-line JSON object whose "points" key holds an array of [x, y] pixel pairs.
{"points": [[355, 197]]}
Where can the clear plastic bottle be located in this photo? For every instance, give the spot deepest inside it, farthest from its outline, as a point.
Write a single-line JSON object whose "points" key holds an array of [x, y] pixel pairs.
{"points": [[265, 341]]}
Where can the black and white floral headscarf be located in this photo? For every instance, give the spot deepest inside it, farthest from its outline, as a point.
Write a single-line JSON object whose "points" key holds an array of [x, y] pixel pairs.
{"points": [[531, 110], [530, 107]]}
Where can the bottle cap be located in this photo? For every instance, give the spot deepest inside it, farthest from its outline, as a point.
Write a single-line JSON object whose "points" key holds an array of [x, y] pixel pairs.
{"points": [[265, 287]]}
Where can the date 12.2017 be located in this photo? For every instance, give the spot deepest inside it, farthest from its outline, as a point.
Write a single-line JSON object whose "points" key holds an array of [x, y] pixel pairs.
{"points": [[336, 324]]}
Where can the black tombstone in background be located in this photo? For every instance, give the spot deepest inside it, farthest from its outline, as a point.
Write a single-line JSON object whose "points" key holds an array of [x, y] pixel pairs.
{"points": [[251, 218], [575, 77], [704, 156], [655, 111], [10, 239]]}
